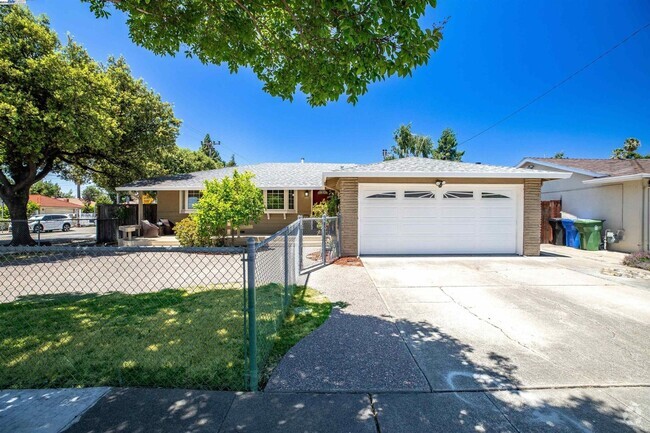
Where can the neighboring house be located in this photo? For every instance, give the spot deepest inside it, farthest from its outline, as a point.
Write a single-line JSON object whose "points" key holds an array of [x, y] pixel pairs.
{"points": [[615, 190], [404, 206], [49, 205]]}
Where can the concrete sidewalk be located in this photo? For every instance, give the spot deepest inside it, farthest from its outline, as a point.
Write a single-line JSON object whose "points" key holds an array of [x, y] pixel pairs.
{"points": [[140, 410]]}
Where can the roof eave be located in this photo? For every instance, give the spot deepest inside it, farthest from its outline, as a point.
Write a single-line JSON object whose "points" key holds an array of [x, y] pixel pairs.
{"points": [[201, 186], [617, 179], [419, 174], [560, 167]]}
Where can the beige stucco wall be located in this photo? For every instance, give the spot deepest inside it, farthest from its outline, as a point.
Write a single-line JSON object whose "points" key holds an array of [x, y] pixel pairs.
{"points": [[169, 204], [620, 205]]}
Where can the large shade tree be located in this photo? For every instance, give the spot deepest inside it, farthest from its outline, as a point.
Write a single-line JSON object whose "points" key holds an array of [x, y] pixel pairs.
{"points": [[60, 109], [323, 48]]}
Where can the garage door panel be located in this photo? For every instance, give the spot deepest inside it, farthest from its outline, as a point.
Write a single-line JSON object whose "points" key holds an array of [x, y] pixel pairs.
{"points": [[418, 223]]}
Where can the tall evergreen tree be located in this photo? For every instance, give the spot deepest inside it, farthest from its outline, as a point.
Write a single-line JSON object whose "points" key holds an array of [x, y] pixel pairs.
{"points": [[448, 147]]}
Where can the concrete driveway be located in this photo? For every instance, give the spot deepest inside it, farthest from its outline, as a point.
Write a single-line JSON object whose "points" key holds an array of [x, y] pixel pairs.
{"points": [[552, 343]]}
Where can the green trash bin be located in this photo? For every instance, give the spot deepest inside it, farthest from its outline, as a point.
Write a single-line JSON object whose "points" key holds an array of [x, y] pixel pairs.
{"points": [[590, 233]]}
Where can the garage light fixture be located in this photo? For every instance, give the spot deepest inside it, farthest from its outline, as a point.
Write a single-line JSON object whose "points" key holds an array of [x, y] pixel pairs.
{"points": [[440, 183]]}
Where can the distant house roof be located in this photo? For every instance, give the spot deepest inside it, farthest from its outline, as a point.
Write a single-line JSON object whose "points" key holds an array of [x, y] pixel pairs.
{"points": [[427, 167], [44, 201], [281, 175], [604, 167]]}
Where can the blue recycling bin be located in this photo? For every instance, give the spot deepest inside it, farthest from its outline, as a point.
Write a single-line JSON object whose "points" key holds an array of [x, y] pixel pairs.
{"points": [[571, 234]]}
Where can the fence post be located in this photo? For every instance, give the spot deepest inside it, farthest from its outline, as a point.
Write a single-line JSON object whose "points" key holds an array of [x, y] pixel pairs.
{"points": [[338, 235], [300, 243], [252, 317], [323, 243], [286, 268]]}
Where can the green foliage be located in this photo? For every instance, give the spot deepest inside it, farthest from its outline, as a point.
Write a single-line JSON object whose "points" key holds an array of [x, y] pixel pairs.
{"points": [[88, 208], [60, 109], [95, 194], [319, 209], [409, 144], [233, 200], [187, 233], [180, 160], [629, 150], [447, 147], [47, 188], [323, 49], [559, 155], [32, 209]]}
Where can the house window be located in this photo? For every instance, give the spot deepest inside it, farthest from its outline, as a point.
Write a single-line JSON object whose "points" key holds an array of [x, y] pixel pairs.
{"points": [[419, 194], [275, 199], [192, 198], [493, 195], [280, 200], [458, 194], [390, 194]]}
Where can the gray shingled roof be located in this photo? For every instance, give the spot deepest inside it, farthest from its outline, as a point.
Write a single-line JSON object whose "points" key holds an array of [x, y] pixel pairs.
{"points": [[296, 175], [607, 167], [415, 166]]}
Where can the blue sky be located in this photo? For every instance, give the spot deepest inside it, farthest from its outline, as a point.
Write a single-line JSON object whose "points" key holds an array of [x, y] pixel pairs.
{"points": [[495, 56]]}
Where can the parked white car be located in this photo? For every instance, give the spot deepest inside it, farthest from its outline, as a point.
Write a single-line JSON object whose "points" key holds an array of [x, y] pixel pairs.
{"points": [[49, 222]]}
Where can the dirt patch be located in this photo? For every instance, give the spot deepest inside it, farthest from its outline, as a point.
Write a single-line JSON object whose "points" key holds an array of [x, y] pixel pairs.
{"points": [[349, 261]]}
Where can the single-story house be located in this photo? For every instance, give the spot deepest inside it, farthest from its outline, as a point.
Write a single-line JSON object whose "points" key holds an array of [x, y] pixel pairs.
{"points": [[49, 205], [403, 206], [614, 190], [290, 190]]}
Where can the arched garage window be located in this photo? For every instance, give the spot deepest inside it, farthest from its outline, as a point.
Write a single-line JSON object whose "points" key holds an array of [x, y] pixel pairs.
{"points": [[390, 194], [487, 194], [419, 194], [458, 194]]}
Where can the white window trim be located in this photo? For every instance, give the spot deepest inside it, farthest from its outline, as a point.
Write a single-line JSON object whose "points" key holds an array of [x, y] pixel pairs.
{"points": [[183, 201], [286, 210]]}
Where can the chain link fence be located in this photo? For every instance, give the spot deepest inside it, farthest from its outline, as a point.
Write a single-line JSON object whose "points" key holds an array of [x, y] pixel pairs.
{"points": [[202, 318]]}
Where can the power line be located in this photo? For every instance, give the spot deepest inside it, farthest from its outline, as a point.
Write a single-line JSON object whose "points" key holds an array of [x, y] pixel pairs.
{"points": [[532, 101]]}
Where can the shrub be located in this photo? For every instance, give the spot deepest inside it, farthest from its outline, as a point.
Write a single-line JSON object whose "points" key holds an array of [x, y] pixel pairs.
{"points": [[639, 260], [188, 235], [235, 200]]}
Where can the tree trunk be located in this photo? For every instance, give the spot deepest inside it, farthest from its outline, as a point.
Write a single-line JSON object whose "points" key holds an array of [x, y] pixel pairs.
{"points": [[17, 205]]}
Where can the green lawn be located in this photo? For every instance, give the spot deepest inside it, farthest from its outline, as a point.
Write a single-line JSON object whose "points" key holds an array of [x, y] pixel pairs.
{"points": [[171, 338]]}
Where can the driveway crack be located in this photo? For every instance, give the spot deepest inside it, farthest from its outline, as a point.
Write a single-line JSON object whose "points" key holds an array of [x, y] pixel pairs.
{"points": [[503, 414], [514, 340]]}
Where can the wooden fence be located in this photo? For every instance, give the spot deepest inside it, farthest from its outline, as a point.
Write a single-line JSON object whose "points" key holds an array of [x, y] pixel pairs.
{"points": [[111, 216], [550, 209]]}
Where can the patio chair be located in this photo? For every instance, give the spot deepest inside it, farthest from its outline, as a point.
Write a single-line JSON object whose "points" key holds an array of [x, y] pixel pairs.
{"points": [[149, 230], [166, 227]]}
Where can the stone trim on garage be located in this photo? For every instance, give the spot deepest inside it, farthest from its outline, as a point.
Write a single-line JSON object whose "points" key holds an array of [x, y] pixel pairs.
{"points": [[532, 216], [349, 208]]}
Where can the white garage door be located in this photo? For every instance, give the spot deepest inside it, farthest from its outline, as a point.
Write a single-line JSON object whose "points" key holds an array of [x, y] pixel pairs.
{"points": [[425, 219]]}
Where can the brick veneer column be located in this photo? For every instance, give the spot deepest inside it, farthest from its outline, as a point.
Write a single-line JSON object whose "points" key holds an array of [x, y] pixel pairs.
{"points": [[532, 216], [349, 207]]}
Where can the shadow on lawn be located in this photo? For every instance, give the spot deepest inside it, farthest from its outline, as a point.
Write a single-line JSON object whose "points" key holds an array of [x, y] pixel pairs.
{"points": [[173, 338]]}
